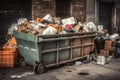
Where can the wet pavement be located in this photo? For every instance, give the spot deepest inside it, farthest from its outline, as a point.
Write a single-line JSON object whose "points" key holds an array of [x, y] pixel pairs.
{"points": [[89, 71]]}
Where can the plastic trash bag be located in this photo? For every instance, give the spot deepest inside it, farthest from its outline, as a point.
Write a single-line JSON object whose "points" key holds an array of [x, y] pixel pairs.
{"points": [[48, 17], [49, 31], [21, 21], [114, 37], [117, 50], [12, 28], [91, 26]]}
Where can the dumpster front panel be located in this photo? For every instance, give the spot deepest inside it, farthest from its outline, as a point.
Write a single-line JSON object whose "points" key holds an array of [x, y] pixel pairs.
{"points": [[30, 56], [28, 47]]}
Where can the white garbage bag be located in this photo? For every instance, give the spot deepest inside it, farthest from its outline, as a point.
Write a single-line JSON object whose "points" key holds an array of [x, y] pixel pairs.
{"points": [[21, 21], [49, 31], [91, 26], [12, 28], [114, 37]]}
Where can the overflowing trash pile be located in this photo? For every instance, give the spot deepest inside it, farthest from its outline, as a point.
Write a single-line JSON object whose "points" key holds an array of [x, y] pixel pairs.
{"points": [[49, 25], [107, 46]]}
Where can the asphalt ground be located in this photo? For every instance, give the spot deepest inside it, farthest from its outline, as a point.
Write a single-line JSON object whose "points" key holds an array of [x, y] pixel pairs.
{"points": [[84, 71]]}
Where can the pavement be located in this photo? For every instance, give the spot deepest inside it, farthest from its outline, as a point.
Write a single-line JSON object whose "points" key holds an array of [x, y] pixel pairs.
{"points": [[88, 71]]}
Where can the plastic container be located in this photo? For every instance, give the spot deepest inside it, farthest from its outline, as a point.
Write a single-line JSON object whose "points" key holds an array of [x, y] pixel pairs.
{"points": [[101, 60], [8, 57]]}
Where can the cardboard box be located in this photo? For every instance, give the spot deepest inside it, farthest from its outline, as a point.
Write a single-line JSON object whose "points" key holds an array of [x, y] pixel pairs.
{"points": [[70, 20], [108, 45], [77, 28], [104, 52]]}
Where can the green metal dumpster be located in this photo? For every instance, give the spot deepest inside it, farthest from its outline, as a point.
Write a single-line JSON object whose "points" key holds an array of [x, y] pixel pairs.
{"points": [[52, 50]]}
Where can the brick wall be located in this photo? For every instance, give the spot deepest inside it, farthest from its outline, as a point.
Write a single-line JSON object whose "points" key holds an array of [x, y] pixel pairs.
{"points": [[42, 7]]}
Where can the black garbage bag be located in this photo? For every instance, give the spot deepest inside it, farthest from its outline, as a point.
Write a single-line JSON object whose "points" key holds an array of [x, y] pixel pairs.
{"points": [[99, 44], [117, 49]]}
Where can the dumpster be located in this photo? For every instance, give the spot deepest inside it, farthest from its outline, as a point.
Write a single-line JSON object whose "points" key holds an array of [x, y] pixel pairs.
{"points": [[52, 50]]}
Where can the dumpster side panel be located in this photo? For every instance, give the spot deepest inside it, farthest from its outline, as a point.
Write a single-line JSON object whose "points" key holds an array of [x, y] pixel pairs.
{"points": [[77, 41], [48, 52], [64, 43], [88, 44], [77, 52], [87, 50], [64, 55], [54, 49], [49, 58], [66, 48], [87, 40], [48, 45]]}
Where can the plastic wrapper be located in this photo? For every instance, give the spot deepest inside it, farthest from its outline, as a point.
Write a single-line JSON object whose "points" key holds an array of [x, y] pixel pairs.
{"points": [[89, 27], [114, 37], [21, 21], [70, 20], [48, 17], [69, 28], [12, 28], [100, 28], [57, 20], [36, 27]]}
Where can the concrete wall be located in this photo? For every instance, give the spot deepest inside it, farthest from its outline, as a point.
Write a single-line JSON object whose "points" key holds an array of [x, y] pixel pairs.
{"points": [[118, 17], [79, 9], [90, 10]]}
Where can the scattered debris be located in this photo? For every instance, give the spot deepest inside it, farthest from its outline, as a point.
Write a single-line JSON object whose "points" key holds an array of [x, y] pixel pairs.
{"points": [[77, 63], [101, 60], [22, 75]]}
